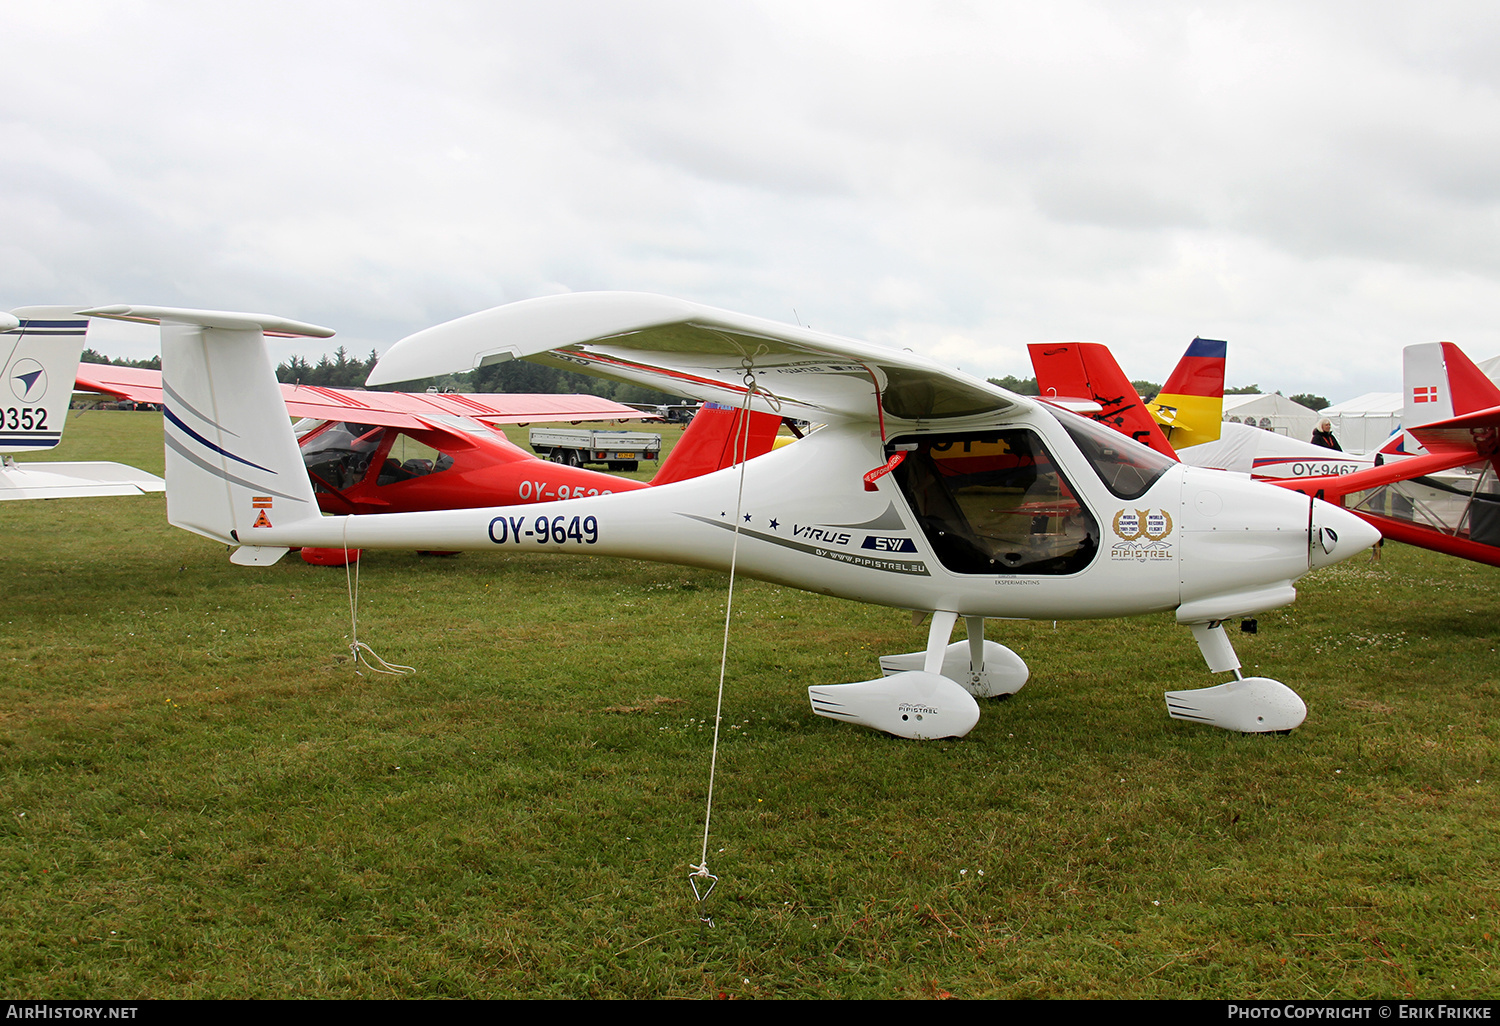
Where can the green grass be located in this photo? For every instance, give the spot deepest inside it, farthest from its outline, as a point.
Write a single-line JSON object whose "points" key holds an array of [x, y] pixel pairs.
{"points": [[199, 797]]}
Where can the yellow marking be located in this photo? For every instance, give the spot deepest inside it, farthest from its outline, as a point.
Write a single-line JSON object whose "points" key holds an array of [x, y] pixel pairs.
{"points": [[1188, 419]]}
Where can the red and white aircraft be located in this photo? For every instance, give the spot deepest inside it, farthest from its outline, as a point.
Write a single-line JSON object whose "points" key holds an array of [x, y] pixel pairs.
{"points": [[926, 489], [1446, 498], [352, 442]]}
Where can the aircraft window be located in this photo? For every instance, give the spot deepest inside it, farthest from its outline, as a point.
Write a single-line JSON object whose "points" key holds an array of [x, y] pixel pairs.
{"points": [[1127, 468], [1452, 506], [409, 459], [339, 457], [995, 503]]}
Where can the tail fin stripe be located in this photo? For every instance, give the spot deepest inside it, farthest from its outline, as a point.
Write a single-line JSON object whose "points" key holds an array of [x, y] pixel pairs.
{"points": [[219, 472], [43, 439], [69, 327], [181, 403], [205, 442]]}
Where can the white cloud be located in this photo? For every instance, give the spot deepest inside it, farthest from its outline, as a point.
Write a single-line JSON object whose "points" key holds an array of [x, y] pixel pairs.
{"points": [[1316, 184]]}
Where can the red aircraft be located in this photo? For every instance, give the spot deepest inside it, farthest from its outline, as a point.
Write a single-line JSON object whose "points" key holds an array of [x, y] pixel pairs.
{"points": [[400, 452]]}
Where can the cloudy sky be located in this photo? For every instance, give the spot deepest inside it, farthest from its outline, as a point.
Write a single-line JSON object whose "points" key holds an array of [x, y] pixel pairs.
{"points": [[1315, 182]]}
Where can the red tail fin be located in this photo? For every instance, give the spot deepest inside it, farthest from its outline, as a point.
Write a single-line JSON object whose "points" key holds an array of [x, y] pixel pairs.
{"points": [[1450, 404], [1443, 383], [714, 439], [1087, 370]]}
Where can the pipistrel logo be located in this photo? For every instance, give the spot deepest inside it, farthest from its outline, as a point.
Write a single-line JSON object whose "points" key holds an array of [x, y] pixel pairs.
{"points": [[28, 380], [1143, 534]]}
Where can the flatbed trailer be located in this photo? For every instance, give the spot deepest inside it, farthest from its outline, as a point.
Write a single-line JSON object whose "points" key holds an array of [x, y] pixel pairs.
{"points": [[619, 450]]}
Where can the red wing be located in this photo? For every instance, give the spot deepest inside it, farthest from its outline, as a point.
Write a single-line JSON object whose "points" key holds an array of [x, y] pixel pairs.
{"points": [[137, 384], [412, 410], [417, 409]]}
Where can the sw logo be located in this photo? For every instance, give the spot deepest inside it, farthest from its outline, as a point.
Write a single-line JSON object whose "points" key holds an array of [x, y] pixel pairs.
{"points": [[28, 380], [1131, 526], [888, 544]]}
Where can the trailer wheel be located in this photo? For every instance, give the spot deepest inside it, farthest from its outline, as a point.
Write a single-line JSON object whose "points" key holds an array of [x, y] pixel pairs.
{"points": [[574, 460], [556, 456]]}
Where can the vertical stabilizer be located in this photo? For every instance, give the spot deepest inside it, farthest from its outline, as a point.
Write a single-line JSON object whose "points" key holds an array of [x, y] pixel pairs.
{"points": [[41, 360], [1190, 406], [1087, 370], [232, 462], [713, 440], [1442, 383]]}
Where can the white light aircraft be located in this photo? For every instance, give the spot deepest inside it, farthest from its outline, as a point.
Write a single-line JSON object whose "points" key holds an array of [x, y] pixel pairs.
{"points": [[926, 489], [41, 345]]}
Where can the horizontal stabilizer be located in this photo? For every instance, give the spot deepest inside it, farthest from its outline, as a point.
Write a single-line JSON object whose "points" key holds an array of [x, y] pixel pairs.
{"points": [[223, 319], [74, 480]]}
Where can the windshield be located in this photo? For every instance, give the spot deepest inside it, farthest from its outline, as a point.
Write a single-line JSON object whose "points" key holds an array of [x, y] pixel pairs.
{"points": [[339, 456], [1127, 468]]}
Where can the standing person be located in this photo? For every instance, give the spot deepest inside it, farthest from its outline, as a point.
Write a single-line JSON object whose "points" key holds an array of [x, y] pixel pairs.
{"points": [[1324, 437]]}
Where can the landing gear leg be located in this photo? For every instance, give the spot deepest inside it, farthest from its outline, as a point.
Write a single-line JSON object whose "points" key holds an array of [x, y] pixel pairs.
{"points": [[985, 669], [1250, 705]]}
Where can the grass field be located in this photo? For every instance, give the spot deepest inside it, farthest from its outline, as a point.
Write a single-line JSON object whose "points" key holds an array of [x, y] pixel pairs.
{"points": [[199, 797]]}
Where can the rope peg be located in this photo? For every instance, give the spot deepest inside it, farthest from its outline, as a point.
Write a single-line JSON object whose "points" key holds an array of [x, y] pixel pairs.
{"points": [[701, 891]]}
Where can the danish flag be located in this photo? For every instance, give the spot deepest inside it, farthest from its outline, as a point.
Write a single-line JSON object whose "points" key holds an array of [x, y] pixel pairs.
{"points": [[1424, 394]]}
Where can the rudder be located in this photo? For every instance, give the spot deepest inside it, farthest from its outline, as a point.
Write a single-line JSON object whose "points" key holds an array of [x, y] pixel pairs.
{"points": [[41, 361], [232, 461]]}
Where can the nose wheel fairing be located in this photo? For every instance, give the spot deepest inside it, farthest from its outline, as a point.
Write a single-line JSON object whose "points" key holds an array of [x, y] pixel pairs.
{"points": [[1249, 705]]}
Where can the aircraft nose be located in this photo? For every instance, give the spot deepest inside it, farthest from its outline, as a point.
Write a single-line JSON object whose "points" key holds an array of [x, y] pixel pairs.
{"points": [[1335, 534]]}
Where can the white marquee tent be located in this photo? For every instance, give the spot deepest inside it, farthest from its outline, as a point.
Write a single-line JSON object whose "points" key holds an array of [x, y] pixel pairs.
{"points": [[1273, 413], [1362, 424]]}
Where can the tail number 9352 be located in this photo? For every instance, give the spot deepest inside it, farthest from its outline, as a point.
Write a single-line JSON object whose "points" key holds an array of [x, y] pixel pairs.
{"points": [[545, 531], [26, 418]]}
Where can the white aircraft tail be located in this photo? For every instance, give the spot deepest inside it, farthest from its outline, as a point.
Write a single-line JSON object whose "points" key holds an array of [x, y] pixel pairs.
{"points": [[232, 461], [41, 362], [1442, 383]]}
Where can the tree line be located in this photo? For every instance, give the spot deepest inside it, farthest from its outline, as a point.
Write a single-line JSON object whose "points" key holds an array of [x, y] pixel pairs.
{"points": [[341, 370]]}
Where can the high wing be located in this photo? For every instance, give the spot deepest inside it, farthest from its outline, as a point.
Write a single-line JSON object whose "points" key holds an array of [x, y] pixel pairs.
{"points": [[410, 410], [699, 351]]}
